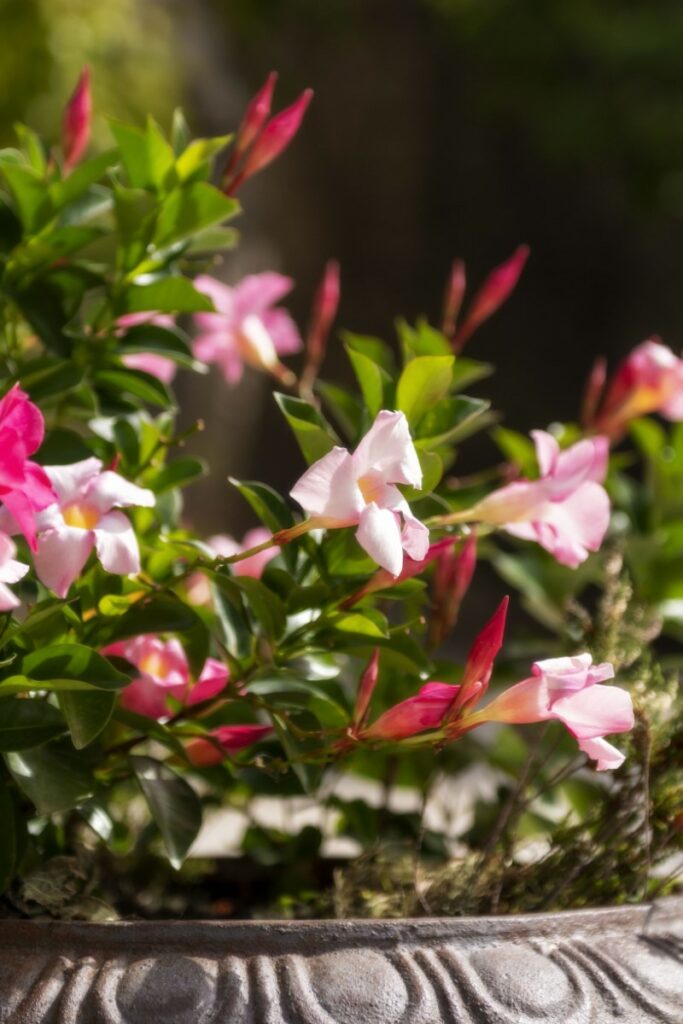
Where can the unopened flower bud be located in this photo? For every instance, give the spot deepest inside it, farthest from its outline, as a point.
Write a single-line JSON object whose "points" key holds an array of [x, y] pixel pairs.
{"points": [[76, 121], [495, 290]]}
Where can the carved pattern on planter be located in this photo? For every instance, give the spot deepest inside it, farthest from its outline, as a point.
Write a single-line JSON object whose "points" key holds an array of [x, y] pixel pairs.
{"points": [[416, 973]]}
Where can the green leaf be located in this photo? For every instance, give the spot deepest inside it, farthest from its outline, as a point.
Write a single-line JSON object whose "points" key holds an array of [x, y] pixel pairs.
{"points": [[272, 510], [358, 624], [162, 341], [314, 436], [432, 470], [162, 613], [298, 748], [469, 371], [422, 340], [30, 195], [284, 689], [71, 663], [450, 420], [173, 804], [178, 473], [345, 408], [33, 148], [373, 381], [137, 383], [71, 188], [147, 157], [28, 723], [425, 380], [190, 209], [266, 606], [167, 295], [198, 154], [87, 714], [54, 379], [54, 777]]}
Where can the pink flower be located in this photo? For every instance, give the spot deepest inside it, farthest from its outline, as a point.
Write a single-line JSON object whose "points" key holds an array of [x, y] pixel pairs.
{"points": [[198, 590], [164, 672], [10, 572], [161, 367], [566, 511], [344, 489], [82, 519], [271, 140], [76, 122], [649, 380], [436, 704], [24, 487], [495, 290], [245, 328], [225, 741], [568, 689]]}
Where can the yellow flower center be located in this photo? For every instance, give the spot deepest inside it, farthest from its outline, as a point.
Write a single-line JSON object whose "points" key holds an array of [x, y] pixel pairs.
{"points": [[85, 517], [370, 486], [154, 664]]}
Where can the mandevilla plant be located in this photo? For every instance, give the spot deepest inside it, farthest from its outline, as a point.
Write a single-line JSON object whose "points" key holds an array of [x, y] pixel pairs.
{"points": [[138, 660]]}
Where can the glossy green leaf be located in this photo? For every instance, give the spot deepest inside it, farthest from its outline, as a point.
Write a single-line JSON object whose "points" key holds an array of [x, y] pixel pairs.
{"points": [[373, 381], [314, 436], [266, 606], [190, 209], [167, 295], [55, 777], [135, 383], [178, 473], [173, 805], [269, 506], [424, 382], [71, 663], [87, 713], [200, 152], [29, 193], [28, 723], [146, 155]]}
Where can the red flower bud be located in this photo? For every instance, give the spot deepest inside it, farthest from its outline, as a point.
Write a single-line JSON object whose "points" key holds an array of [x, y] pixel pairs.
{"points": [[256, 114], [455, 293], [324, 311], [76, 122], [479, 664], [273, 139], [495, 290], [366, 687]]}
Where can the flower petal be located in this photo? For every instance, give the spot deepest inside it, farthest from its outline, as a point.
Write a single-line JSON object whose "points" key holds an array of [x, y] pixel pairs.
{"points": [[62, 553], [379, 533], [387, 449], [116, 544], [256, 292], [329, 488], [607, 756], [110, 489], [595, 711], [213, 679]]}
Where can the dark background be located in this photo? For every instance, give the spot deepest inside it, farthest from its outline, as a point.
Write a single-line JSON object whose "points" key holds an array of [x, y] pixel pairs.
{"points": [[439, 128]]}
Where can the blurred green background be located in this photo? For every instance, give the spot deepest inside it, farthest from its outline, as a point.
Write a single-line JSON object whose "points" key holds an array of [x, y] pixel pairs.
{"points": [[440, 128]]}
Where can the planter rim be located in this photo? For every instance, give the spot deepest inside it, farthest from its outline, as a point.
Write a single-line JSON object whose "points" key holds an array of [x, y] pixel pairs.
{"points": [[260, 935]]}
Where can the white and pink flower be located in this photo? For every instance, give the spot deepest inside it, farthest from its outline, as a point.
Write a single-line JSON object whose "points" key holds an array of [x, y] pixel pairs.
{"points": [[359, 489], [569, 690], [650, 379], [246, 328], [85, 516], [164, 673], [566, 511]]}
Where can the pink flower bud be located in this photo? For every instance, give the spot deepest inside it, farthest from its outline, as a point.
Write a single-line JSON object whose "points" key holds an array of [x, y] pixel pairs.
{"points": [[274, 138], [223, 742], [76, 122], [256, 114], [595, 385], [455, 293], [479, 664], [495, 290], [324, 311], [366, 687], [454, 572]]}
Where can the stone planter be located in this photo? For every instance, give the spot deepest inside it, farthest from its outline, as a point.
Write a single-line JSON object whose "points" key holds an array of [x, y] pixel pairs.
{"points": [[584, 967]]}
